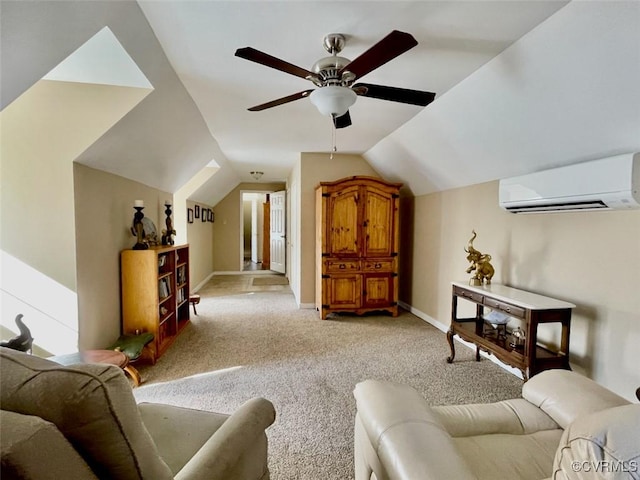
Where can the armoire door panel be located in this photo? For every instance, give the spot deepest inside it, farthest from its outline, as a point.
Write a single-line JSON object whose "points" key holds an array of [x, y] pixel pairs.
{"points": [[345, 291], [344, 223], [378, 223], [378, 290]]}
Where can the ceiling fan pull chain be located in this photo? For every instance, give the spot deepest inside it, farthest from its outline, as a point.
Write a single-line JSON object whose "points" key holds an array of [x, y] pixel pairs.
{"points": [[333, 138]]}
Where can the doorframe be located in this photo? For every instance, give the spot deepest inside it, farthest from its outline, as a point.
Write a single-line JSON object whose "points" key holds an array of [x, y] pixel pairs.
{"points": [[241, 229]]}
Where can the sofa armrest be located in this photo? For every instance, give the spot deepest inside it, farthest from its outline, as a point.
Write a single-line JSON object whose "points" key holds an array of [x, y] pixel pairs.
{"points": [[514, 417], [405, 434], [217, 459], [565, 395]]}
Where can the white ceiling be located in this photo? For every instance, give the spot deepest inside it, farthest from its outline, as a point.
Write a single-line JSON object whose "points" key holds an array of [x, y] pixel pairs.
{"points": [[200, 38], [521, 86]]}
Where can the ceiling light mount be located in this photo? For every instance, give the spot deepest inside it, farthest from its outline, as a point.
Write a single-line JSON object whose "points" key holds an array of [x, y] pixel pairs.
{"points": [[256, 175], [333, 43]]}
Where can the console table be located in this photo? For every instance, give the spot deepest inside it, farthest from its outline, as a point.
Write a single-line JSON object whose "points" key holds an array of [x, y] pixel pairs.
{"points": [[529, 308]]}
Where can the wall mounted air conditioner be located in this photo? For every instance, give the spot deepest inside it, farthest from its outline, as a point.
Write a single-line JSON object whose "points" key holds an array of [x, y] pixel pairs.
{"points": [[610, 183]]}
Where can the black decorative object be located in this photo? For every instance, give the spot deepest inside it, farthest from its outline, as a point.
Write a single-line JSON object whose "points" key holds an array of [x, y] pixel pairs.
{"points": [[190, 215], [197, 207], [22, 342], [167, 235], [138, 229]]}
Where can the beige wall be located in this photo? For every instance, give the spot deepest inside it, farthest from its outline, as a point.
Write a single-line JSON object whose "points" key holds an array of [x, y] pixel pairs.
{"points": [[200, 239], [226, 229], [42, 132], [316, 168], [104, 215], [591, 259]]}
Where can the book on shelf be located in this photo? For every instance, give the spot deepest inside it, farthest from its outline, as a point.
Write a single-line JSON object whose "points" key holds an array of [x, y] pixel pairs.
{"points": [[164, 289], [181, 274]]}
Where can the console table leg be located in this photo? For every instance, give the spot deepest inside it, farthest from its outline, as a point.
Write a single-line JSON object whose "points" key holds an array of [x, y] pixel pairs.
{"points": [[477, 353], [451, 346]]}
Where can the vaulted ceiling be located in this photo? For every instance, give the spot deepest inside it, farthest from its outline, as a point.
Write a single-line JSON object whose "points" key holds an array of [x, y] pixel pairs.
{"points": [[520, 86]]}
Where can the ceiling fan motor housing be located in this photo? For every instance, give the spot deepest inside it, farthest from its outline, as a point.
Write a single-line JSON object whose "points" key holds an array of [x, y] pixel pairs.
{"points": [[328, 69]]}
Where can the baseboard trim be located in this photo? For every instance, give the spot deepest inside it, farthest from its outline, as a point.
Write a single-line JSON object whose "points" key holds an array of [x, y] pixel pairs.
{"points": [[245, 272], [444, 328], [202, 283]]}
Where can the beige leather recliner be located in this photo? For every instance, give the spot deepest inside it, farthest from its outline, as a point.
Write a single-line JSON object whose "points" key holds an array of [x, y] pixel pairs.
{"points": [[82, 422], [565, 426]]}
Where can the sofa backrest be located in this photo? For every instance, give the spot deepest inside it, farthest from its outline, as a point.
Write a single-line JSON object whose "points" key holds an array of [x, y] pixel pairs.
{"points": [[605, 444], [92, 406]]}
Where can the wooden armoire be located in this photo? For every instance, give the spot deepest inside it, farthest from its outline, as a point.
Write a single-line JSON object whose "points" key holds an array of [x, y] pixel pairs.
{"points": [[357, 241]]}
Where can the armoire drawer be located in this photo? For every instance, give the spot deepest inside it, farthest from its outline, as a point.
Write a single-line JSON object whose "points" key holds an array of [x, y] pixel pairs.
{"points": [[339, 265], [378, 265]]}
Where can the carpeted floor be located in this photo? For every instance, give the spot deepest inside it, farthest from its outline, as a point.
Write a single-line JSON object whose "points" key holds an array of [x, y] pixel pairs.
{"points": [[270, 280], [247, 341]]}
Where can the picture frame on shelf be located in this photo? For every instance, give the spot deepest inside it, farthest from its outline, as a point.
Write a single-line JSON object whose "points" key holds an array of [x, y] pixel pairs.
{"points": [[197, 211], [190, 215]]}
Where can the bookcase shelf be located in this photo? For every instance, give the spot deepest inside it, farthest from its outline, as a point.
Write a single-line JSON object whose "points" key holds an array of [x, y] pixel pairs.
{"points": [[155, 293]]}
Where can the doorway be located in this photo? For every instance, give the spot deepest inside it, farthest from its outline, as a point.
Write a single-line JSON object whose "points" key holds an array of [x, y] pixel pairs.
{"points": [[262, 235], [252, 231]]}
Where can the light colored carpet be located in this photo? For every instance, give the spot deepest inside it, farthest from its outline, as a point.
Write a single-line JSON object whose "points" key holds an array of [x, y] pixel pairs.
{"points": [[258, 343], [270, 280]]}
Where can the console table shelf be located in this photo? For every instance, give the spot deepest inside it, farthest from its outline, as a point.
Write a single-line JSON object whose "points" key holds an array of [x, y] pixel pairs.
{"points": [[529, 308]]}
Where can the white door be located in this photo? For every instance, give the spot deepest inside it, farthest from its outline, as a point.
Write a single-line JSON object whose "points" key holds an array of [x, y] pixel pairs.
{"points": [[277, 237]]}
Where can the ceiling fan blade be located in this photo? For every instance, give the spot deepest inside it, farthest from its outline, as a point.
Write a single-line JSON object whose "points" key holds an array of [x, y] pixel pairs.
{"points": [[281, 101], [342, 121], [391, 46], [394, 94], [267, 60]]}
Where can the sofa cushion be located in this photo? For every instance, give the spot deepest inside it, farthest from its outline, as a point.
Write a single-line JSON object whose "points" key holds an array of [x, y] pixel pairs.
{"points": [[603, 445], [498, 456], [166, 422], [34, 449], [93, 407]]}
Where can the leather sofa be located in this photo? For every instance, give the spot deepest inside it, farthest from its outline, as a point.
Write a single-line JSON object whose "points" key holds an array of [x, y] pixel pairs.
{"points": [[565, 426], [82, 422]]}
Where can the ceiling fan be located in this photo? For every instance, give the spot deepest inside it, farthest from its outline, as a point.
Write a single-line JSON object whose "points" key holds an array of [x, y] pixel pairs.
{"points": [[335, 76]]}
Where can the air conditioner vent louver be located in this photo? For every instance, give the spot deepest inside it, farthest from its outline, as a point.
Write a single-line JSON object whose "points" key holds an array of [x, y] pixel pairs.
{"points": [[557, 207], [606, 184]]}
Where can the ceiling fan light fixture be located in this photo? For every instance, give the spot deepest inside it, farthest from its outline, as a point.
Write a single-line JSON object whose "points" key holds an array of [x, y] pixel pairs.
{"points": [[333, 100]]}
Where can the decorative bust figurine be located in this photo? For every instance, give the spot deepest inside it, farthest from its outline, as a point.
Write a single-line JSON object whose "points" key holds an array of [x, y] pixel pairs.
{"points": [[479, 264]]}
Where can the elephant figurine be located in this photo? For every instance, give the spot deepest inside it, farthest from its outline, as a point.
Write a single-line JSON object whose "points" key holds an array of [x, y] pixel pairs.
{"points": [[480, 264]]}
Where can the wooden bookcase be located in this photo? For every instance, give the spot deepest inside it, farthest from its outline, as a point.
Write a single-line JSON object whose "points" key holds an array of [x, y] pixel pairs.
{"points": [[357, 239], [155, 293]]}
